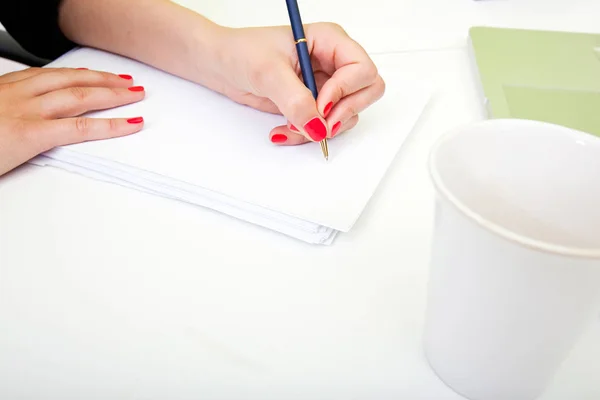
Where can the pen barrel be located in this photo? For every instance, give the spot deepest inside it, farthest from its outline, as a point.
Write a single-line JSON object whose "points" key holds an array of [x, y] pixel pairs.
{"points": [[306, 67], [295, 19]]}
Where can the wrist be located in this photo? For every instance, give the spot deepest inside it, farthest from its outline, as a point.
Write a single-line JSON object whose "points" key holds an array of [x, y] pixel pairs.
{"points": [[209, 53]]}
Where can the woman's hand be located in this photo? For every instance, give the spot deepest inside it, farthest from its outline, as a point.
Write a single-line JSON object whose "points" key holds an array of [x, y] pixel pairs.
{"points": [[41, 108], [259, 67], [254, 66]]}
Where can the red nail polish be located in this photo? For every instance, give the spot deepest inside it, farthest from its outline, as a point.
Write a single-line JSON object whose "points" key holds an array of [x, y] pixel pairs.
{"points": [[316, 129], [278, 138], [327, 108], [125, 76], [81, 68], [336, 127], [293, 128], [136, 88], [136, 120]]}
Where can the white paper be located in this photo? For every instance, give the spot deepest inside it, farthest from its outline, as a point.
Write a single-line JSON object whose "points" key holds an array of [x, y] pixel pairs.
{"points": [[201, 147]]}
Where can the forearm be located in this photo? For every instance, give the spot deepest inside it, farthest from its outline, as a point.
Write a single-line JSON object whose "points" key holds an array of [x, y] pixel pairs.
{"points": [[157, 32]]}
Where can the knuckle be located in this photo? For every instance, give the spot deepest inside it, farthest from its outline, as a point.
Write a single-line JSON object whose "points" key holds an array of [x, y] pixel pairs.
{"points": [[79, 93], [112, 125], [115, 92], [6, 87], [63, 74], [352, 123], [343, 88], [82, 126], [299, 101], [104, 78], [46, 113], [333, 26], [351, 110], [380, 86], [371, 73]]}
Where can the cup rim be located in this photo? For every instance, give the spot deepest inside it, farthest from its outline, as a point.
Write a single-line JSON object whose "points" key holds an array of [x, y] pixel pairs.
{"points": [[497, 229]]}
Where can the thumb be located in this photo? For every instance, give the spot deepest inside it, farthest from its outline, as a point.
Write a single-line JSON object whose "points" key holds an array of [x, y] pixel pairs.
{"points": [[295, 101]]}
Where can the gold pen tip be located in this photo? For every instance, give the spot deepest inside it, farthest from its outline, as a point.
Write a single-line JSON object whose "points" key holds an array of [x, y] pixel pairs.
{"points": [[325, 149]]}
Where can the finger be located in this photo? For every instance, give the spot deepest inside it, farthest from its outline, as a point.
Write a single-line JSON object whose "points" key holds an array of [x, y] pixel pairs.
{"points": [[347, 81], [320, 78], [280, 83], [27, 73], [283, 136], [354, 104], [62, 78], [340, 128], [19, 75], [60, 132], [347, 62], [76, 100]]}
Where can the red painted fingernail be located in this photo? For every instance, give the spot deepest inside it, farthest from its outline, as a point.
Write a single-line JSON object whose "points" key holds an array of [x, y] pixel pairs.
{"points": [[81, 68], [293, 128], [278, 138], [136, 88], [327, 109], [125, 76], [316, 129], [336, 127], [136, 120]]}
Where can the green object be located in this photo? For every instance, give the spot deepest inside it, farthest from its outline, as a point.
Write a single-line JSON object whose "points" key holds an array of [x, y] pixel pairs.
{"points": [[540, 75]]}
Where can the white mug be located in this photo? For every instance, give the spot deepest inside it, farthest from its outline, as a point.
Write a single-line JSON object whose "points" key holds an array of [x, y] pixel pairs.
{"points": [[515, 262]]}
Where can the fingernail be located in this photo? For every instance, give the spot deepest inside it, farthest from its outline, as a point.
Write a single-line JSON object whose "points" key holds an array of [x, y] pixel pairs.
{"points": [[293, 128], [278, 138], [81, 68], [136, 120], [125, 76], [136, 88], [336, 127], [316, 129], [327, 109]]}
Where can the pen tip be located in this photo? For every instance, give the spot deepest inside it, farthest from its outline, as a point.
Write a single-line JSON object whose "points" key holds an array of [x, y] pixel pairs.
{"points": [[325, 149]]}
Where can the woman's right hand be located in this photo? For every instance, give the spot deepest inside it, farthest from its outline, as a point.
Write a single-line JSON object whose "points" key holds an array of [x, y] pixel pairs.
{"points": [[41, 108]]}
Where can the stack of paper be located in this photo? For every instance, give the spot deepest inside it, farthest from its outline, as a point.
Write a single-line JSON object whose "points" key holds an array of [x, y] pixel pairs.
{"points": [[200, 147]]}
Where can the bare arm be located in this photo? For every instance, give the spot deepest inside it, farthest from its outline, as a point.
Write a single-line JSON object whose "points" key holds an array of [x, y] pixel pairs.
{"points": [[157, 32]]}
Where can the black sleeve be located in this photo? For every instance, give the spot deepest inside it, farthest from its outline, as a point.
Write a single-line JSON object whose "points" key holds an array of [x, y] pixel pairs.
{"points": [[34, 25]]}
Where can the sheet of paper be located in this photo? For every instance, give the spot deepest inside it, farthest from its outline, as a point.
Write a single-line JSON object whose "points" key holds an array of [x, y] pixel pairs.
{"points": [[200, 138], [302, 230]]}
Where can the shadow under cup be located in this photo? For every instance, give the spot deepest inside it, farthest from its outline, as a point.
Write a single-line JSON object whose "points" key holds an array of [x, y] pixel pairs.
{"points": [[515, 263]]}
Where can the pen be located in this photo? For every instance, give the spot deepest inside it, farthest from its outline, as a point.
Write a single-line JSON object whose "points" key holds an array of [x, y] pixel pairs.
{"points": [[304, 57]]}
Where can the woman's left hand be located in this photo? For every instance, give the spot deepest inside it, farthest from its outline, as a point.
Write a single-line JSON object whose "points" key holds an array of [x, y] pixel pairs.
{"points": [[259, 67]]}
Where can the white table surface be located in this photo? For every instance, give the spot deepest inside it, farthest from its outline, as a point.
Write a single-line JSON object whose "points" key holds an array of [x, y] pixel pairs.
{"points": [[110, 293], [400, 25]]}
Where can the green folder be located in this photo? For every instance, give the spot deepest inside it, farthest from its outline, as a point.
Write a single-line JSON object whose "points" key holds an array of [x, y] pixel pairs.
{"points": [[539, 75]]}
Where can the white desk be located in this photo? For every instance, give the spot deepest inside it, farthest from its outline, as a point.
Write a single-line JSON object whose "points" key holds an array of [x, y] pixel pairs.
{"points": [[110, 293], [400, 25]]}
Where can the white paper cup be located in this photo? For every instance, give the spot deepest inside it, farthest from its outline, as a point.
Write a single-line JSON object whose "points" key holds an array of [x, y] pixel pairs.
{"points": [[515, 267]]}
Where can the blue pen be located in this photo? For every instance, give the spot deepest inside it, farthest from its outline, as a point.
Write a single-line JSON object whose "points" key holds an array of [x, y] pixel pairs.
{"points": [[304, 57]]}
